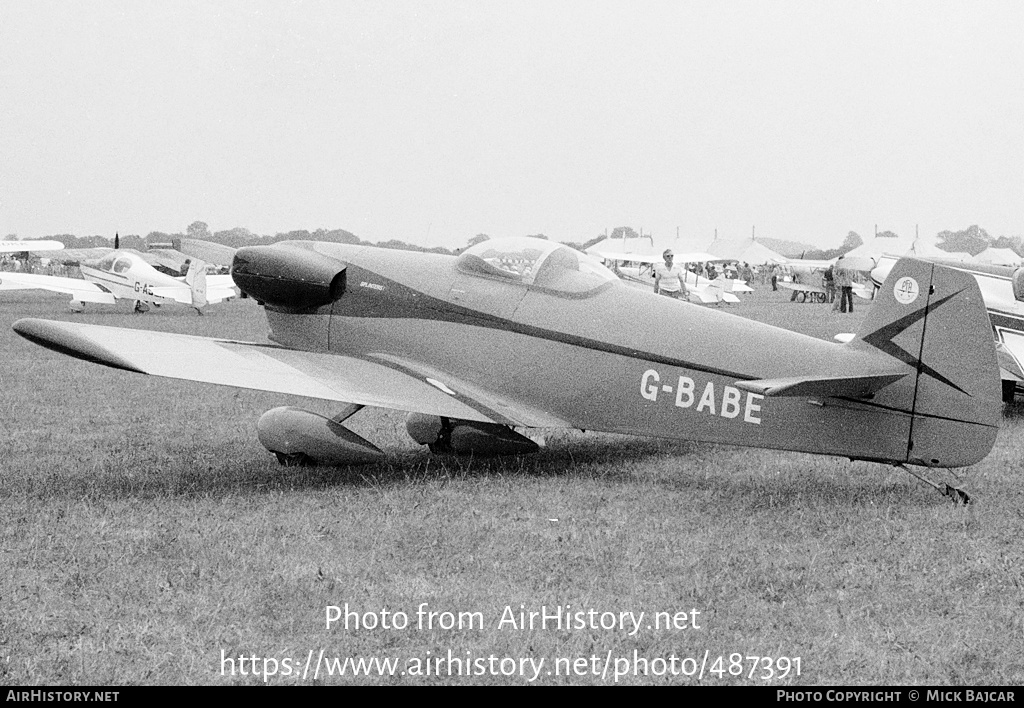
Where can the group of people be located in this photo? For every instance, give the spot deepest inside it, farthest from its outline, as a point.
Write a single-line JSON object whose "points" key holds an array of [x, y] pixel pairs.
{"points": [[11, 264], [670, 280], [670, 277], [840, 279]]}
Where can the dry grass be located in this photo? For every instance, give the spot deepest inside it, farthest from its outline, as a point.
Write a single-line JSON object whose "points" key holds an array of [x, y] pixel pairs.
{"points": [[145, 532]]}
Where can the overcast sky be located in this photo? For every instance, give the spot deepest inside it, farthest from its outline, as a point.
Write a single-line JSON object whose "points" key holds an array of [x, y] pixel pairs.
{"points": [[432, 122]]}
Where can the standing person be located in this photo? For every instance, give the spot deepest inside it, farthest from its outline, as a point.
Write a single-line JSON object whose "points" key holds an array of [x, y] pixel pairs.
{"points": [[669, 278], [844, 282], [828, 279], [775, 277]]}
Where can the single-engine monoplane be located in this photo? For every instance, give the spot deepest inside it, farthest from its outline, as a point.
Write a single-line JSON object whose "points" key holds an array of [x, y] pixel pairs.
{"points": [[526, 333], [125, 274]]}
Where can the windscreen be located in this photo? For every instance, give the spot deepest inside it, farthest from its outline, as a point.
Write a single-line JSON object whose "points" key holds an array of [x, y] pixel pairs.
{"points": [[536, 263]]}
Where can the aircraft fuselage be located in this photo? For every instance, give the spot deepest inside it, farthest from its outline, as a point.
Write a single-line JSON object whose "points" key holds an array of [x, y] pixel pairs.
{"points": [[613, 359], [129, 277]]}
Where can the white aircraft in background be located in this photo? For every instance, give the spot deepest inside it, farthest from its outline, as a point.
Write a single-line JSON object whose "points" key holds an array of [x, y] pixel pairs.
{"points": [[1002, 289], [124, 274], [701, 288]]}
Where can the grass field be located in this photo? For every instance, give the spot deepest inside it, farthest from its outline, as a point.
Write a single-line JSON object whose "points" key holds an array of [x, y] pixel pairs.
{"points": [[148, 538]]}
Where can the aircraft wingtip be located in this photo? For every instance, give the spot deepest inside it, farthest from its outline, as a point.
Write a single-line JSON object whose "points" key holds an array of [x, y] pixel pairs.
{"points": [[67, 338]]}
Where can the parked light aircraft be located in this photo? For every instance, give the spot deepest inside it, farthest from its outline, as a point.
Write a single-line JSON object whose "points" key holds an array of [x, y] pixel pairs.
{"points": [[806, 279], [126, 274], [528, 333], [1002, 288], [701, 289]]}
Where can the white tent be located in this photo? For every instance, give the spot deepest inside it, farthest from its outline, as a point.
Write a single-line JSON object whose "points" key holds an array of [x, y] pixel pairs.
{"points": [[865, 256], [630, 249], [998, 256], [958, 256], [745, 251]]}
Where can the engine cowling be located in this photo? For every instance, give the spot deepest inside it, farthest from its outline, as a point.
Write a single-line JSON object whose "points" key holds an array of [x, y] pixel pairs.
{"points": [[298, 436], [467, 437], [288, 276]]}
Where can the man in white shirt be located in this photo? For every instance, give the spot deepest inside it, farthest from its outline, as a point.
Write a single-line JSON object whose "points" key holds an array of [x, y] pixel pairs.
{"points": [[669, 278]]}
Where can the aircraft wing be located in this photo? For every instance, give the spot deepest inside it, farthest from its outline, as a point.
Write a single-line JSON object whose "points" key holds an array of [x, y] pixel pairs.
{"points": [[711, 291], [179, 294], [627, 256], [220, 281], [802, 287], [78, 289], [698, 257], [208, 251], [30, 245], [183, 294], [837, 386], [374, 380], [703, 294], [77, 255]]}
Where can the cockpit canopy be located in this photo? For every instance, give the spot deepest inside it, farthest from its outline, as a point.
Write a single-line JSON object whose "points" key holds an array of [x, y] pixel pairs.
{"points": [[114, 262], [536, 263]]}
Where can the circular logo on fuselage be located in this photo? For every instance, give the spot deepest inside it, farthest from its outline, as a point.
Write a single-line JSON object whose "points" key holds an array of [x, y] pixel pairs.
{"points": [[906, 290]]}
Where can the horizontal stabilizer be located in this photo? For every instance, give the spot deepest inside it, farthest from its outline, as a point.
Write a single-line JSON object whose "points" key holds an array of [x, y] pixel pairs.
{"points": [[208, 251], [839, 386]]}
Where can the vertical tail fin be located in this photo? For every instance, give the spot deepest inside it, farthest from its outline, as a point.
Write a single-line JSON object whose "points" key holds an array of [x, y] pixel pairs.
{"points": [[933, 319], [196, 280]]}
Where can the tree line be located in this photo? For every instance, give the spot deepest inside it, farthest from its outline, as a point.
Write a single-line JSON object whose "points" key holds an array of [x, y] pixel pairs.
{"points": [[973, 240]]}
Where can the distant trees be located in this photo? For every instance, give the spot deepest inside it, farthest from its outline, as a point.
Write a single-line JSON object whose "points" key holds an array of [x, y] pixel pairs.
{"points": [[623, 232], [851, 241], [236, 237], [335, 236], [198, 229], [974, 240], [133, 241]]}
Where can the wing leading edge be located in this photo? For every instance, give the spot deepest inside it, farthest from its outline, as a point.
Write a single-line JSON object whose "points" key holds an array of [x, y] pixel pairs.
{"points": [[78, 289], [371, 381]]}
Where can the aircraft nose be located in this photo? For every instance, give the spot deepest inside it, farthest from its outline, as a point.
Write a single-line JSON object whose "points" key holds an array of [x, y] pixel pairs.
{"points": [[288, 276], [880, 272]]}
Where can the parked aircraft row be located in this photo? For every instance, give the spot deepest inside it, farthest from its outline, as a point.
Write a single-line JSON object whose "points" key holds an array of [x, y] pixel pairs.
{"points": [[703, 290], [527, 333], [113, 274]]}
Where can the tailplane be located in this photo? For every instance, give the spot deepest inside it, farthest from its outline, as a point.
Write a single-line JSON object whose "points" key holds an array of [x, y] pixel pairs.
{"points": [[933, 320]]}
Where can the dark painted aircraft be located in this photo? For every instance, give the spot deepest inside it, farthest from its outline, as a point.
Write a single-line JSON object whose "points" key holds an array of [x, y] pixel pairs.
{"points": [[525, 333]]}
